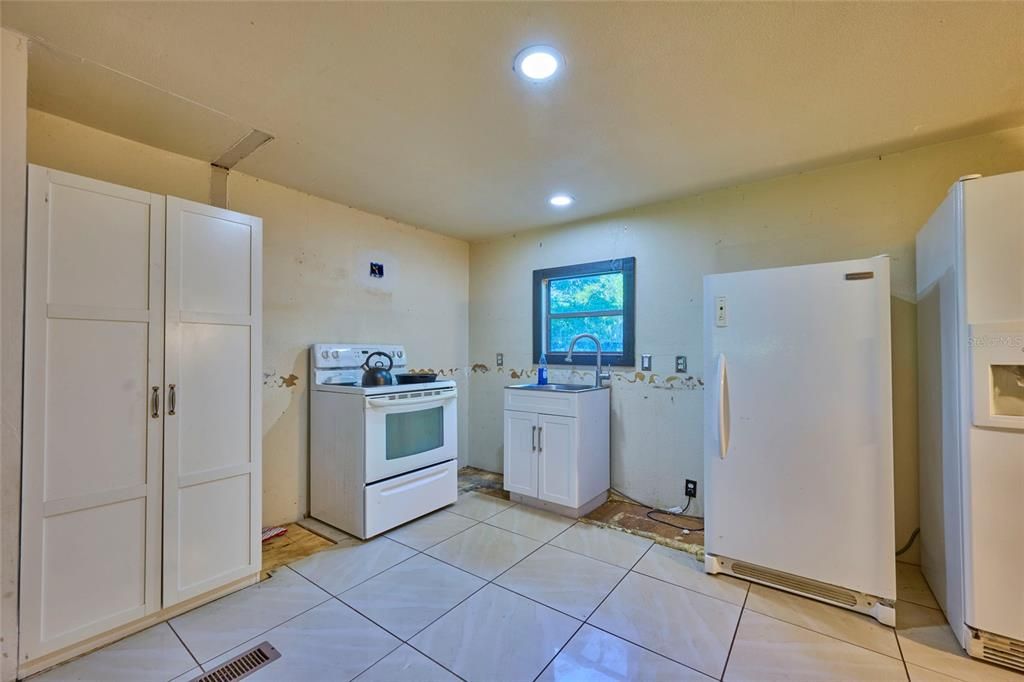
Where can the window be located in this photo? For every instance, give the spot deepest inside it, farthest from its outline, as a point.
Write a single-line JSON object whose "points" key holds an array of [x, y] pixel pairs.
{"points": [[592, 298]]}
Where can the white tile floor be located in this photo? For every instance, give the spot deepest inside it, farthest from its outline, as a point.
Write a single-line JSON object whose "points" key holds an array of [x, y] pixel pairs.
{"points": [[491, 591]]}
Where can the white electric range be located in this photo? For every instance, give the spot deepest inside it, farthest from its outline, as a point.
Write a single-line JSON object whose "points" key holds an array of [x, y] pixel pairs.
{"points": [[382, 455]]}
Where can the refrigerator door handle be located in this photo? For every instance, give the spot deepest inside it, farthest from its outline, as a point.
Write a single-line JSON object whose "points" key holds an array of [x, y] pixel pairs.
{"points": [[722, 384]]}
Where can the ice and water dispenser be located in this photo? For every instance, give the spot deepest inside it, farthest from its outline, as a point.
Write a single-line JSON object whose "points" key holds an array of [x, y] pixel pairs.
{"points": [[997, 359]]}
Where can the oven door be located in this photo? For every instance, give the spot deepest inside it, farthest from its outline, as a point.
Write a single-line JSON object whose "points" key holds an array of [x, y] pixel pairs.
{"points": [[408, 431]]}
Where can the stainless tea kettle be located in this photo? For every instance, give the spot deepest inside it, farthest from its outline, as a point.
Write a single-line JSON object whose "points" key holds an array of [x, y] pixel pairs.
{"points": [[378, 374]]}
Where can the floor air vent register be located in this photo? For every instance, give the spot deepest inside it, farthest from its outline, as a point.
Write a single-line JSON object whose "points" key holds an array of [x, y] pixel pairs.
{"points": [[242, 665]]}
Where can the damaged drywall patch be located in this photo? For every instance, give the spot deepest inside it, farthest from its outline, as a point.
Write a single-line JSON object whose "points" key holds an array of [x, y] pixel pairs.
{"points": [[272, 378]]}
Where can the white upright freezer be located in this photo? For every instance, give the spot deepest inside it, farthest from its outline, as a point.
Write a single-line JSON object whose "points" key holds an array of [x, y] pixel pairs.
{"points": [[798, 431], [970, 311]]}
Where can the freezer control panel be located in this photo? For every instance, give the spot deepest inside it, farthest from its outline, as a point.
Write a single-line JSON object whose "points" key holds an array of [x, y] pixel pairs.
{"points": [[721, 312]]}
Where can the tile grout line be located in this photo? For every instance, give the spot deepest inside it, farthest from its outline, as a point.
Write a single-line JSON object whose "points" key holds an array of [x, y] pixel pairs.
{"points": [[824, 634], [198, 664], [260, 634], [739, 619], [487, 582], [582, 622], [691, 589], [414, 550], [642, 555], [627, 640], [906, 668], [647, 649], [491, 582], [389, 652], [401, 641], [330, 596], [592, 612], [424, 550], [203, 663], [539, 603]]}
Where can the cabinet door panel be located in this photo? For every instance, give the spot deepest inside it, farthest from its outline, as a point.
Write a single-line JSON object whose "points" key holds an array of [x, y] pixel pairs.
{"points": [[520, 453], [212, 442], [558, 442], [95, 444], [108, 541], [93, 354], [216, 262], [212, 398]]}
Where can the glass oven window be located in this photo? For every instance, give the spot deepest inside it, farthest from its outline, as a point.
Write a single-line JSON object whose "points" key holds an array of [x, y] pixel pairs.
{"points": [[410, 433]]}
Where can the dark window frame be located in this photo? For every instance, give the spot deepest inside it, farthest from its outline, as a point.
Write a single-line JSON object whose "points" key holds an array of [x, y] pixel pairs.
{"points": [[541, 322]]}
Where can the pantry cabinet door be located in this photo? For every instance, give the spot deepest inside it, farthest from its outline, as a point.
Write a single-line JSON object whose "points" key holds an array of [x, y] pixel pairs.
{"points": [[558, 460], [212, 428], [520, 468], [94, 322]]}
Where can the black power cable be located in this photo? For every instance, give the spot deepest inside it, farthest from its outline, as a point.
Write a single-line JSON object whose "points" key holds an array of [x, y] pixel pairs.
{"points": [[656, 510], [681, 513]]}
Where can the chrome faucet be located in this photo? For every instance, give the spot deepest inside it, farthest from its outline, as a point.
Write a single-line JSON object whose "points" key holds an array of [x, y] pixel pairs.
{"points": [[598, 374]]}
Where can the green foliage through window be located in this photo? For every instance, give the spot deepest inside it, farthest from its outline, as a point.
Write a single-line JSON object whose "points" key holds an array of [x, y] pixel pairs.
{"points": [[586, 294], [589, 298]]}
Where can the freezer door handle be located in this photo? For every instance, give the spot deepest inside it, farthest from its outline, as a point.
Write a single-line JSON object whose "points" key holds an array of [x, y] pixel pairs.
{"points": [[722, 384]]}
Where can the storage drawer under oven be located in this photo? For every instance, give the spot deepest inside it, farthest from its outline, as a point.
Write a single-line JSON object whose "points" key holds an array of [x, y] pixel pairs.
{"points": [[403, 498]]}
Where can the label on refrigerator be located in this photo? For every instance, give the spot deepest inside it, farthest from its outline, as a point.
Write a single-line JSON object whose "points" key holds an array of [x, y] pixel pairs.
{"points": [[721, 312]]}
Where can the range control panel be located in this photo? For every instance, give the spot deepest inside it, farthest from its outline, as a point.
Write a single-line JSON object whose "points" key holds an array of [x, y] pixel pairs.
{"points": [[351, 356]]}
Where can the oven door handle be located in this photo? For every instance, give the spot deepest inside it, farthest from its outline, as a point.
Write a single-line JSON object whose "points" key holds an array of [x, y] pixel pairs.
{"points": [[402, 402]]}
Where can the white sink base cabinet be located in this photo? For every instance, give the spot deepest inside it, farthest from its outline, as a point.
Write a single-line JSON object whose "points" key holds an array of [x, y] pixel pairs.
{"points": [[556, 449]]}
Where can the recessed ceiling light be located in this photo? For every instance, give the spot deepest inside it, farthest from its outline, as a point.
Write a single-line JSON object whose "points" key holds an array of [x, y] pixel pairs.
{"points": [[561, 200], [538, 63]]}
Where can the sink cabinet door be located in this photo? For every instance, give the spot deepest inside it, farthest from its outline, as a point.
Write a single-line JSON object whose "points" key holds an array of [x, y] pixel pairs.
{"points": [[521, 453], [558, 460]]}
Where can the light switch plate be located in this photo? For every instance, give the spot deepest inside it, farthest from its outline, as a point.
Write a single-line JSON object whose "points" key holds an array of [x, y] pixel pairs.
{"points": [[681, 363], [645, 362], [499, 360]]}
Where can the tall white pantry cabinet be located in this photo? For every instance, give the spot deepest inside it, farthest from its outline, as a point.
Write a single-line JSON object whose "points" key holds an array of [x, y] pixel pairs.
{"points": [[141, 486]]}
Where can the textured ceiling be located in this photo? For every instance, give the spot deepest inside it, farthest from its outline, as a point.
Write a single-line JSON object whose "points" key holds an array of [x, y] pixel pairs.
{"points": [[411, 110]]}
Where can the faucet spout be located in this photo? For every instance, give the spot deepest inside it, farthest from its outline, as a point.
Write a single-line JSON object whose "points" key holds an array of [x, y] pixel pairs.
{"points": [[598, 374]]}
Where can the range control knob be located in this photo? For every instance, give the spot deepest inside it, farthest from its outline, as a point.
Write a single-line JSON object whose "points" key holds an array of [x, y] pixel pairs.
{"points": [[324, 354], [334, 353]]}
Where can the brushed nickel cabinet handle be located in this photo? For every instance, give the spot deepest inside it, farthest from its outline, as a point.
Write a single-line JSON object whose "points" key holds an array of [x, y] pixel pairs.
{"points": [[172, 399], [533, 440], [156, 402], [540, 439]]}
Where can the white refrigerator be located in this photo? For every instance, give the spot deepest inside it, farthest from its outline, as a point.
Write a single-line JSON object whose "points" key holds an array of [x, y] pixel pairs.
{"points": [[798, 431], [970, 309]]}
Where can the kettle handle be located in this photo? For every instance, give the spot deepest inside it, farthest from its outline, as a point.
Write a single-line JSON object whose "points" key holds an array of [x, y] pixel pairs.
{"points": [[391, 362]]}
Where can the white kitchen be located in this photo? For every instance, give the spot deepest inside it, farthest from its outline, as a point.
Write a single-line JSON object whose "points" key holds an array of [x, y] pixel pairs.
{"points": [[511, 341]]}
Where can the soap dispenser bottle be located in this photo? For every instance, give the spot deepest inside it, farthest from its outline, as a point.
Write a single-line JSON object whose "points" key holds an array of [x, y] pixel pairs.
{"points": [[542, 370]]}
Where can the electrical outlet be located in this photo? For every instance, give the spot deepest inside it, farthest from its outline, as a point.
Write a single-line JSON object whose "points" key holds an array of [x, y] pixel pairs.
{"points": [[645, 362], [499, 360], [681, 364], [691, 488]]}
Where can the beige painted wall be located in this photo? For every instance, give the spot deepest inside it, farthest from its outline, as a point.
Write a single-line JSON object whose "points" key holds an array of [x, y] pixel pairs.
{"points": [[849, 211], [13, 93], [315, 255]]}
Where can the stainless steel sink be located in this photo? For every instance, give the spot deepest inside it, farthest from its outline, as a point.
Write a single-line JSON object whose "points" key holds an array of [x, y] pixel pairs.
{"points": [[558, 388]]}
